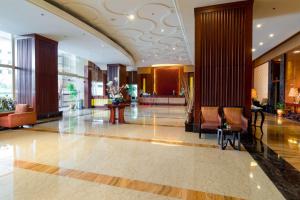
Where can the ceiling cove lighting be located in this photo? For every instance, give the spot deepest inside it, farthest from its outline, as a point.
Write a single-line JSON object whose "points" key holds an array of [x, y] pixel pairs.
{"points": [[296, 51], [258, 26], [168, 65], [261, 43], [131, 17], [271, 35]]}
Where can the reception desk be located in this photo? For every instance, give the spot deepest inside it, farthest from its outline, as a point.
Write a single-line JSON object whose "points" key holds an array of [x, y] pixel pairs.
{"points": [[162, 100]]}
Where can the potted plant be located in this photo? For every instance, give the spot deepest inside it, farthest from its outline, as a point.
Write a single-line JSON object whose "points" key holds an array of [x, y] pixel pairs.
{"points": [[6, 104], [280, 109], [73, 94], [189, 99]]}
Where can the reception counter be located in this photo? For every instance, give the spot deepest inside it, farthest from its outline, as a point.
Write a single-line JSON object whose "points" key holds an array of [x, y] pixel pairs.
{"points": [[162, 100]]}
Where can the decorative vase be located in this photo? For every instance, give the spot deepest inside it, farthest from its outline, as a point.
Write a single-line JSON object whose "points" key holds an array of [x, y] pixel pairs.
{"points": [[189, 127]]}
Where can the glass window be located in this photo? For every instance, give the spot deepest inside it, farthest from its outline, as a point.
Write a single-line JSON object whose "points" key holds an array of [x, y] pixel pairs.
{"points": [[70, 63], [6, 82], [5, 48], [97, 88], [70, 90]]}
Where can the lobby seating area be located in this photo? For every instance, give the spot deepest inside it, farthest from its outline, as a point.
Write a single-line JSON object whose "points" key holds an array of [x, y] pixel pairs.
{"points": [[23, 115]]}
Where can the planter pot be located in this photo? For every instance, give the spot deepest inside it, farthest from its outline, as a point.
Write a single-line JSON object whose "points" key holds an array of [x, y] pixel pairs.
{"points": [[189, 127], [280, 112]]}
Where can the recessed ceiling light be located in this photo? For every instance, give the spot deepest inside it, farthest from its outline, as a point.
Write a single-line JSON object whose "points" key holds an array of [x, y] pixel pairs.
{"points": [[253, 50], [143, 61], [258, 25], [102, 45], [131, 17], [296, 51], [162, 30], [261, 43], [155, 55], [271, 35], [174, 48]]}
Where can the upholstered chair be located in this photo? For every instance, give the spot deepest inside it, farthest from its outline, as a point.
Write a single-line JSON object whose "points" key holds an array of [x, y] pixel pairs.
{"points": [[234, 117], [210, 120], [23, 115]]}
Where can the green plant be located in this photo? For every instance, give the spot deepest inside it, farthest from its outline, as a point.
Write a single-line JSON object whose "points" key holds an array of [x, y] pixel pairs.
{"points": [[73, 92], [7, 103], [280, 105]]}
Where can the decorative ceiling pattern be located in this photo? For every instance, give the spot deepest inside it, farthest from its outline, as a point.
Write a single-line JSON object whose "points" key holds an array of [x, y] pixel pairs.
{"points": [[149, 29]]}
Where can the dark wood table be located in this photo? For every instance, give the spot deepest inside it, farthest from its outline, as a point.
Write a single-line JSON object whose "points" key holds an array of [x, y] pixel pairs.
{"points": [[260, 111], [223, 135], [113, 109]]}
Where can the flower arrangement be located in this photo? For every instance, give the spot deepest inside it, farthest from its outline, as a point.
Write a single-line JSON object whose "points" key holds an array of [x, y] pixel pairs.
{"points": [[7, 103], [115, 92]]}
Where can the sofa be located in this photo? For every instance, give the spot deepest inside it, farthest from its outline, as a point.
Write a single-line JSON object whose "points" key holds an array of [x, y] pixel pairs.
{"points": [[23, 115]]}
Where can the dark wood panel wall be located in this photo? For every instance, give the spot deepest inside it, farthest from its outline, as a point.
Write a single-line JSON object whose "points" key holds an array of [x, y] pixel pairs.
{"points": [[117, 71], [223, 72], [92, 73], [172, 75], [37, 62], [46, 71], [132, 77], [149, 79]]}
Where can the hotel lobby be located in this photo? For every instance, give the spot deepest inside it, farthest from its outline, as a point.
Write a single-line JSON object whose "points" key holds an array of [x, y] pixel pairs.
{"points": [[149, 99]]}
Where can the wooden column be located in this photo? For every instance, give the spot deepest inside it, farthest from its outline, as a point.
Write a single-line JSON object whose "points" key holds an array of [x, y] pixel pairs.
{"points": [[223, 65], [117, 71], [37, 82]]}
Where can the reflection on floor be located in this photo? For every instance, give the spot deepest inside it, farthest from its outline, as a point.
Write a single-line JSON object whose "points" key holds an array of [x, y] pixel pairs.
{"points": [[82, 156], [283, 137]]}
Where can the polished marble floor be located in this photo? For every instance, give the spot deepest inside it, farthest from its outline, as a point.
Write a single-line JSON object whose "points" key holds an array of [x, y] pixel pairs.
{"points": [[282, 136], [82, 156]]}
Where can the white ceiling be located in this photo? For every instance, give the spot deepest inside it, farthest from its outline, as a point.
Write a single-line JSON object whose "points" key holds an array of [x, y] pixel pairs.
{"points": [[283, 22], [21, 17], [154, 36], [278, 17], [138, 42]]}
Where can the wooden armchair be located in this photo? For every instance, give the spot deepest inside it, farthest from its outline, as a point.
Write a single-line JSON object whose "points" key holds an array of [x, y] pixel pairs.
{"points": [[210, 120], [235, 118]]}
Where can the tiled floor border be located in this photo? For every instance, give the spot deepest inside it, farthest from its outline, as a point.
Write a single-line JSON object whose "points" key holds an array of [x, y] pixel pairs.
{"points": [[136, 185]]}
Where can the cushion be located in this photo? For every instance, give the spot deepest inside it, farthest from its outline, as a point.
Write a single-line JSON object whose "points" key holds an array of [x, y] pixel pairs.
{"points": [[233, 115], [21, 108], [210, 114]]}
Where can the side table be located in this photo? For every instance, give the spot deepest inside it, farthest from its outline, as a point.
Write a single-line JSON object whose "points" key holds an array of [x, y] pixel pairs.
{"points": [[224, 137]]}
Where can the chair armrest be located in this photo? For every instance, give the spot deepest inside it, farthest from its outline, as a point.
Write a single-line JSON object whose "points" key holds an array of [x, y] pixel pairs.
{"points": [[244, 122], [23, 116], [5, 114]]}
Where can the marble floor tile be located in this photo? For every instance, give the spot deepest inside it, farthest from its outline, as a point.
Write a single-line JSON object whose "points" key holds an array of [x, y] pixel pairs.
{"points": [[151, 150]]}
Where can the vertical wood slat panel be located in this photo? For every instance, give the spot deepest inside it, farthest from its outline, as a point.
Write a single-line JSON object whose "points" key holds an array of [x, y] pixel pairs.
{"points": [[223, 55]]}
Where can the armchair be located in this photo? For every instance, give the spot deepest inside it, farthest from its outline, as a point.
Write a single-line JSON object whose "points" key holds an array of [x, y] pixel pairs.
{"points": [[23, 115], [210, 119], [235, 118]]}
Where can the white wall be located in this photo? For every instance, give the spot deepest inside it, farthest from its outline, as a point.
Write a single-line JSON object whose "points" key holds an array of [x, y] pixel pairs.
{"points": [[261, 81]]}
